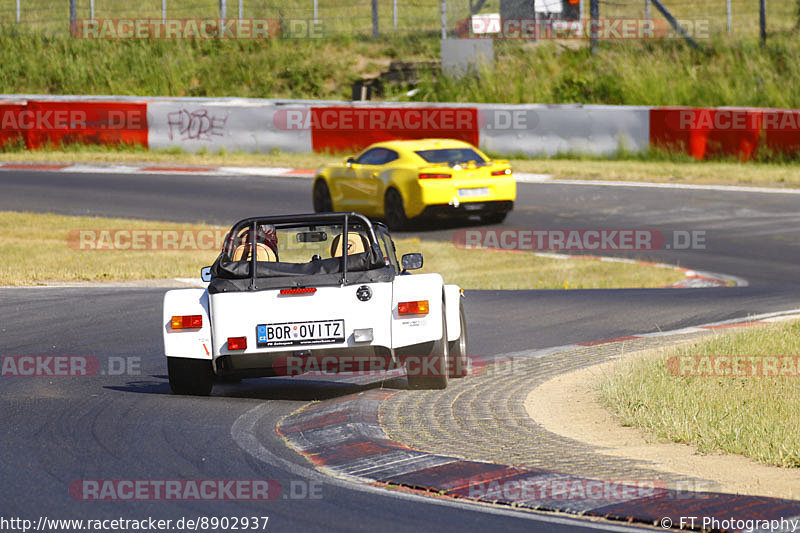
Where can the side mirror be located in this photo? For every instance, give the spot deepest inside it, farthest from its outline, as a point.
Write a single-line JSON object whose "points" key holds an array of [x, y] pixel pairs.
{"points": [[412, 261], [205, 274], [350, 161]]}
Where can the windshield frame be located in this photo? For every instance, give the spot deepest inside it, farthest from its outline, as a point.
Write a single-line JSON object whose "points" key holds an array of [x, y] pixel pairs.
{"points": [[347, 220]]}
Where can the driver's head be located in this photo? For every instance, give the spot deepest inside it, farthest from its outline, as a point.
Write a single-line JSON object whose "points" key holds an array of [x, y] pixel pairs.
{"points": [[265, 234]]}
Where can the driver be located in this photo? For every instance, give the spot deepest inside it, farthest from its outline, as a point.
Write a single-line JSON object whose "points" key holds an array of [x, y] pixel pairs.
{"points": [[266, 244]]}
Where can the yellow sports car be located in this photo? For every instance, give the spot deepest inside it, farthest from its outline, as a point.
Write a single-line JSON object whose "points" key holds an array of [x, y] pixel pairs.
{"points": [[404, 180]]}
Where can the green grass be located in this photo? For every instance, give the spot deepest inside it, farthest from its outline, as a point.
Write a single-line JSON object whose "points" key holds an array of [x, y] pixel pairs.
{"points": [[735, 72], [752, 416], [725, 73], [34, 248]]}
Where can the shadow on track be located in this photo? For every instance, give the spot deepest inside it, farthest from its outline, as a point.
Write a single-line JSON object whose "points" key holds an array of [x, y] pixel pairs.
{"points": [[303, 389]]}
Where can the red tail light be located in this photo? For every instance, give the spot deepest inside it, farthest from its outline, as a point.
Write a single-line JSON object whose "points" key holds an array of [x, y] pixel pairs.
{"points": [[307, 290], [426, 176], [505, 172], [420, 307], [187, 322], [237, 343]]}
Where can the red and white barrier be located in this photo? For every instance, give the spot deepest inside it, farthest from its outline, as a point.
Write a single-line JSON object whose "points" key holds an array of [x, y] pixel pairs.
{"points": [[261, 126], [52, 122]]}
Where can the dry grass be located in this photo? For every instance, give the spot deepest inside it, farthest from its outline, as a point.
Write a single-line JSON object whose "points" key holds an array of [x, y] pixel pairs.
{"points": [[34, 248], [507, 270], [752, 416]]}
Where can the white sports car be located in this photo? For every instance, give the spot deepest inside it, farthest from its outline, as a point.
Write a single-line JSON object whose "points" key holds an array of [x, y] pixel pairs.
{"points": [[285, 296]]}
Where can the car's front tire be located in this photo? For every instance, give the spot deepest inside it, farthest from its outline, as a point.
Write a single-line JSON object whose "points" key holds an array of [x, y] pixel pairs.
{"points": [[190, 376], [394, 212], [433, 376], [322, 197]]}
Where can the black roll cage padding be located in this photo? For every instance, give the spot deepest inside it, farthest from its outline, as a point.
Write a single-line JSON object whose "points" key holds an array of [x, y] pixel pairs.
{"points": [[302, 220]]}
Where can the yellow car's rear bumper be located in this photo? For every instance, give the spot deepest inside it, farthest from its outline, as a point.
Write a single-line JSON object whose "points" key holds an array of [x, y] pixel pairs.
{"points": [[489, 193]]}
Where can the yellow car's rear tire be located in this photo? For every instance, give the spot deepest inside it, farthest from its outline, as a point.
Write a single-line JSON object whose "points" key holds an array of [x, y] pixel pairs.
{"points": [[322, 197], [394, 212]]}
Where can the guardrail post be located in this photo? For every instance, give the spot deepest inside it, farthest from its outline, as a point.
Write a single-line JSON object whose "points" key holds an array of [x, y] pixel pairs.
{"points": [[762, 15], [444, 19]]}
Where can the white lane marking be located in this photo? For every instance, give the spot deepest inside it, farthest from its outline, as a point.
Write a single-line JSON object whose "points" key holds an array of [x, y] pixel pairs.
{"points": [[197, 282], [526, 177], [243, 433], [256, 171], [655, 185]]}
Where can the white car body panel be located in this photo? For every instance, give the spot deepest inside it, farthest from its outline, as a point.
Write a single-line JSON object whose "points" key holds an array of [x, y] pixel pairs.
{"points": [[188, 343], [415, 329], [452, 298], [238, 315], [233, 309]]}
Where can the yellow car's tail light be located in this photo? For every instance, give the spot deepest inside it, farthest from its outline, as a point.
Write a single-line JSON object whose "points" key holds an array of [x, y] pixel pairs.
{"points": [[428, 176], [504, 172]]}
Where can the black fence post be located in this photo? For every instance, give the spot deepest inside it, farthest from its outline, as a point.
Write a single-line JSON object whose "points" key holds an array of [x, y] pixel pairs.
{"points": [[762, 15], [595, 17], [675, 24], [73, 16], [375, 31]]}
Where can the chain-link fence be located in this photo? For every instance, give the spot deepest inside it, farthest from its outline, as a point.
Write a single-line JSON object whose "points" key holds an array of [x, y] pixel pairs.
{"points": [[332, 16], [737, 18]]}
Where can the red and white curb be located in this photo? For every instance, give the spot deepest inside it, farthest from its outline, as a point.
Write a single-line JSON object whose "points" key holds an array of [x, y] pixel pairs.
{"points": [[343, 438], [77, 168]]}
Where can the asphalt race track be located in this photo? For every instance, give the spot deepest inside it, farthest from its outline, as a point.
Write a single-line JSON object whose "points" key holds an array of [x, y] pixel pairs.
{"points": [[59, 430]]}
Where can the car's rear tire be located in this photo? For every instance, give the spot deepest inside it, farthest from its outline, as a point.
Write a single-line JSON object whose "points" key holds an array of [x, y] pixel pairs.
{"points": [[322, 197], [190, 376], [459, 362], [434, 376], [494, 218], [394, 212]]}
